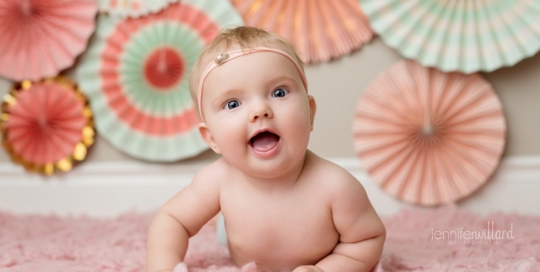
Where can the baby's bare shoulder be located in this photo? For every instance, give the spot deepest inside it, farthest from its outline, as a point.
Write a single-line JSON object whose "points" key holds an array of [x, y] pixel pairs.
{"points": [[212, 174], [331, 176]]}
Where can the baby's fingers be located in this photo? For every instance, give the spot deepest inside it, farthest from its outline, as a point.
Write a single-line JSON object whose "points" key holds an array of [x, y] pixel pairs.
{"points": [[308, 268], [250, 267], [180, 267]]}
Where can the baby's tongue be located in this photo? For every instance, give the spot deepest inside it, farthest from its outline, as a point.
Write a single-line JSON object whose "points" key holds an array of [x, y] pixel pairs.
{"points": [[264, 141]]}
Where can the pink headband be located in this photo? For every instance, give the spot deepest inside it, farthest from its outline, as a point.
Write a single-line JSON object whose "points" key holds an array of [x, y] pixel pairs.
{"points": [[224, 57]]}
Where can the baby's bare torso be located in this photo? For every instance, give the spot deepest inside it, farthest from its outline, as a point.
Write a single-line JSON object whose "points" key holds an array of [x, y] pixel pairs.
{"points": [[280, 229]]}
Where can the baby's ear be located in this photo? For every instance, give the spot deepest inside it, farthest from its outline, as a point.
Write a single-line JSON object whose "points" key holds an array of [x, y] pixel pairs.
{"points": [[313, 109], [207, 137]]}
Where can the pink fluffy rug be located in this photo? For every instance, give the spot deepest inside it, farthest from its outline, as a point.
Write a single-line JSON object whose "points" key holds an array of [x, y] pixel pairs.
{"points": [[442, 239]]}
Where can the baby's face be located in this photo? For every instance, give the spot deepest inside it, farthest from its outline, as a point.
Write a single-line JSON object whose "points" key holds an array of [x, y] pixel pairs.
{"points": [[257, 113]]}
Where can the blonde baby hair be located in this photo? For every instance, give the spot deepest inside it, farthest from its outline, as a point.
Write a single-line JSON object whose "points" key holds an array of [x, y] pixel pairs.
{"points": [[244, 37]]}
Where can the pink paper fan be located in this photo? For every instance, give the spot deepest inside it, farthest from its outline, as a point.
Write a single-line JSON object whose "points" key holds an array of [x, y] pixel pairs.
{"points": [[132, 8], [47, 123], [321, 30], [429, 137], [38, 38]]}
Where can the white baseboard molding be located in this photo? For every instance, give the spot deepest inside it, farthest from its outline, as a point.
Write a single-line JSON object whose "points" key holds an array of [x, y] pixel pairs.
{"points": [[107, 189]]}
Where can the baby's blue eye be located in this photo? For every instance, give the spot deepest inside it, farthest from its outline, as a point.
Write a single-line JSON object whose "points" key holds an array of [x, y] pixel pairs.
{"points": [[279, 93], [232, 104]]}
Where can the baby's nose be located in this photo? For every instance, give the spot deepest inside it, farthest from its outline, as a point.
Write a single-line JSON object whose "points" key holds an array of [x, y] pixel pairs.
{"points": [[261, 110]]}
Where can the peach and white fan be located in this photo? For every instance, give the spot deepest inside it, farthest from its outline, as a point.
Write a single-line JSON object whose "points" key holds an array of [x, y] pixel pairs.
{"points": [[47, 125], [132, 8], [136, 75], [39, 38], [428, 137], [321, 30]]}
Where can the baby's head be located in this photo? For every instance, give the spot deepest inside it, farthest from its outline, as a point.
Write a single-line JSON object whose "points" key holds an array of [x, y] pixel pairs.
{"points": [[250, 91], [242, 37]]}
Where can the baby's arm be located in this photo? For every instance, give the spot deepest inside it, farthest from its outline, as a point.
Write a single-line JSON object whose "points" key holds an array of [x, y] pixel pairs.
{"points": [[180, 218], [362, 233]]}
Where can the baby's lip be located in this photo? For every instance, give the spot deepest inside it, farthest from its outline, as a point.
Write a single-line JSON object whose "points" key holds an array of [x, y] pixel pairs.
{"points": [[264, 143], [265, 130]]}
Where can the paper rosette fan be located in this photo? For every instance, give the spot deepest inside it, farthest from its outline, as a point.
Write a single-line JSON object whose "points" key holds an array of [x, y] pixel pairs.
{"points": [[38, 38], [47, 125], [132, 8], [427, 137], [321, 30], [458, 35], [136, 75]]}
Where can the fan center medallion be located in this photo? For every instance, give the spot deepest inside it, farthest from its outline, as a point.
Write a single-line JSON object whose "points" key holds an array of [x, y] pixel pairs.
{"points": [[164, 68]]}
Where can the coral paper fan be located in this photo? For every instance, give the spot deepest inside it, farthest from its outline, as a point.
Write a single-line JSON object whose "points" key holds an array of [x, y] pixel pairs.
{"points": [[428, 137], [47, 125], [136, 74], [321, 30], [457, 35], [38, 38], [132, 8]]}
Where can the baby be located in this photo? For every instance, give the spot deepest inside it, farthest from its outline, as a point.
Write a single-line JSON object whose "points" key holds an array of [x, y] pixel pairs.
{"points": [[285, 208]]}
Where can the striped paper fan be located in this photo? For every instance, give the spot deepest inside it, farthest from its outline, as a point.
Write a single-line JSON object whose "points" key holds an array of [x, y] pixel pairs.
{"points": [[457, 35], [428, 137], [132, 8], [321, 30], [39, 38], [136, 75]]}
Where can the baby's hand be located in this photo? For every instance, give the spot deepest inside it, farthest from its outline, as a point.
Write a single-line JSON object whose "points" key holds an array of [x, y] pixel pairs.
{"points": [[307, 268]]}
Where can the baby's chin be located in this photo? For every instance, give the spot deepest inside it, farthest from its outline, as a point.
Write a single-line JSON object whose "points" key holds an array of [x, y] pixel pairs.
{"points": [[272, 169]]}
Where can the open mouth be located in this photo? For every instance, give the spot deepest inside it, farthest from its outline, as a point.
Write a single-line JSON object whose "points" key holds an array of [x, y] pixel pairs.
{"points": [[264, 141]]}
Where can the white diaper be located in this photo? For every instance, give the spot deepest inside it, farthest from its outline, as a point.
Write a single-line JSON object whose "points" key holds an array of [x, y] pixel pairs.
{"points": [[220, 229]]}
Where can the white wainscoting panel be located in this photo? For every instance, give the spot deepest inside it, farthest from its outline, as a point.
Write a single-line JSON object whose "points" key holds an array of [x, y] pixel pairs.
{"points": [[107, 189]]}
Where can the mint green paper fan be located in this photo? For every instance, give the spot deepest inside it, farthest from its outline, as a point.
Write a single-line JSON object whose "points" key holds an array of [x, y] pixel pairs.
{"points": [[458, 35], [136, 73]]}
